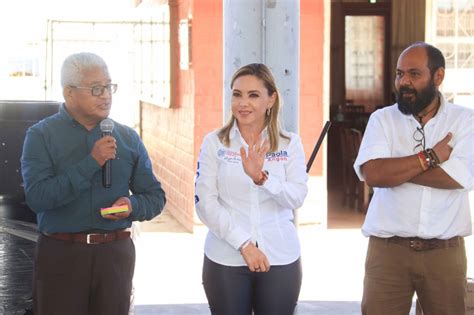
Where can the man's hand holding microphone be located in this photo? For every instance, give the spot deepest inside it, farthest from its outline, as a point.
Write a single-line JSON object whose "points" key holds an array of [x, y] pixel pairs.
{"points": [[104, 151]]}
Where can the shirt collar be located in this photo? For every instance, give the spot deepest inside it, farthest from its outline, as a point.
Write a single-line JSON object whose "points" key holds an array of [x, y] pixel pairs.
{"points": [[67, 117], [65, 114], [234, 131], [442, 104]]}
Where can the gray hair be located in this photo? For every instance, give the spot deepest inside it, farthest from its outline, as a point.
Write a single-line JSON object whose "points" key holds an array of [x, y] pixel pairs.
{"points": [[74, 66]]}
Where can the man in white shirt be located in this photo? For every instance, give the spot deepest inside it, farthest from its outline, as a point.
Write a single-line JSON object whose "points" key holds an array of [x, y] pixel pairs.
{"points": [[418, 154]]}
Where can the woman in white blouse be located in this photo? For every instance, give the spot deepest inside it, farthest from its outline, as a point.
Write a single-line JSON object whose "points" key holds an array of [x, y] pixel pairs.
{"points": [[250, 177]]}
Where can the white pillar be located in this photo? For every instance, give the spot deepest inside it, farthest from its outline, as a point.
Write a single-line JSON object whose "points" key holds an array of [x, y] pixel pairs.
{"points": [[265, 31]]}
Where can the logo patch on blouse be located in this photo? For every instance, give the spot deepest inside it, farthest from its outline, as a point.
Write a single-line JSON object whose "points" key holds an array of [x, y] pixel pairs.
{"points": [[277, 156], [229, 156]]}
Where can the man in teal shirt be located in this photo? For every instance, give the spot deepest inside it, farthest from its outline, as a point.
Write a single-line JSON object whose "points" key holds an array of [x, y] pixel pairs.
{"points": [[84, 261]]}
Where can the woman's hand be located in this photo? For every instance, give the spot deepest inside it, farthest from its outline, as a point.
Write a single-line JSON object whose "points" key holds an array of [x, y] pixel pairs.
{"points": [[253, 161], [255, 258]]}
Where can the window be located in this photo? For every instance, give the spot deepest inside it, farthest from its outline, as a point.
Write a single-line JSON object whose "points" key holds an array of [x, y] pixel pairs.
{"points": [[24, 65], [451, 23], [136, 49], [137, 52], [151, 42], [364, 59]]}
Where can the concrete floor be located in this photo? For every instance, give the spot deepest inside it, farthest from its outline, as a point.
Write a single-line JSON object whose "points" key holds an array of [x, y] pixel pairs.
{"points": [[168, 272], [304, 307], [168, 267]]}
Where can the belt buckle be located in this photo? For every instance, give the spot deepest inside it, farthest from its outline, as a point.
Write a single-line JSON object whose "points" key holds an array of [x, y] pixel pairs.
{"points": [[88, 238], [416, 245]]}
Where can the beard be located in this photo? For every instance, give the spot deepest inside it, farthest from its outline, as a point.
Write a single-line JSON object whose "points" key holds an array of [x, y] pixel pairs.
{"points": [[422, 99]]}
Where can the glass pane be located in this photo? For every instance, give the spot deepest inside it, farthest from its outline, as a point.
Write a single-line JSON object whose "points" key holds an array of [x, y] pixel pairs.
{"points": [[454, 36], [364, 60]]}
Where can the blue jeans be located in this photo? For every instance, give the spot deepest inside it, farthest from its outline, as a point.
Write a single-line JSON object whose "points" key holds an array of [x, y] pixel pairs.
{"points": [[238, 291]]}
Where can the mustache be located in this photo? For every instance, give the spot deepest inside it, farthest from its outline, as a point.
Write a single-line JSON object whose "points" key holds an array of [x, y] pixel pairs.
{"points": [[407, 90]]}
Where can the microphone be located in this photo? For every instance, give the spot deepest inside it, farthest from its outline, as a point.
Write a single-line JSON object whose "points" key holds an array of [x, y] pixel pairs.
{"points": [[106, 126]]}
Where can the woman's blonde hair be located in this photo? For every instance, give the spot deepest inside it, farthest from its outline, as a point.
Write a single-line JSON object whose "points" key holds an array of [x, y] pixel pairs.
{"points": [[262, 72]]}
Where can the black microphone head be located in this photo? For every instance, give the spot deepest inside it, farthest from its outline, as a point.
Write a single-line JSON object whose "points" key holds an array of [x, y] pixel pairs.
{"points": [[107, 125]]}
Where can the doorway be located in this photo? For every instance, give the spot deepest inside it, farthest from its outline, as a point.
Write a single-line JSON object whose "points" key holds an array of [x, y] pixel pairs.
{"points": [[359, 84]]}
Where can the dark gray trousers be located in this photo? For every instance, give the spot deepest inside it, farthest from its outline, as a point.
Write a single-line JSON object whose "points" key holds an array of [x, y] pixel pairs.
{"points": [[238, 291], [74, 278]]}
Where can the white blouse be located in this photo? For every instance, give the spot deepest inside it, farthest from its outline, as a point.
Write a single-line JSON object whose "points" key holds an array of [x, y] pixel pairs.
{"points": [[409, 209], [236, 210]]}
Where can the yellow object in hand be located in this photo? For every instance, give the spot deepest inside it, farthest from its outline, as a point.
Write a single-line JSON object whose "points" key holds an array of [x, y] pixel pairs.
{"points": [[112, 210]]}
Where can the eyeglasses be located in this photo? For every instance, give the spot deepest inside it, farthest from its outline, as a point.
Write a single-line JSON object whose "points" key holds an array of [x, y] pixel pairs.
{"points": [[419, 136], [98, 90]]}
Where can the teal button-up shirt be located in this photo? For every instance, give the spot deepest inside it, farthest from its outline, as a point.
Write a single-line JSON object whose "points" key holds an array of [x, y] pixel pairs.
{"points": [[63, 183]]}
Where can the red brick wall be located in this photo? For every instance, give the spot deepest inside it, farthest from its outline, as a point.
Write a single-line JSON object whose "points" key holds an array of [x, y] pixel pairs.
{"points": [[208, 64], [173, 135], [168, 133], [311, 78]]}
